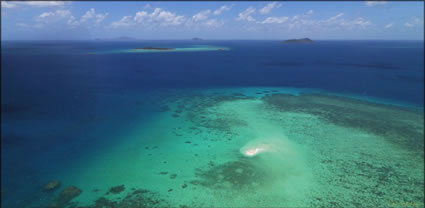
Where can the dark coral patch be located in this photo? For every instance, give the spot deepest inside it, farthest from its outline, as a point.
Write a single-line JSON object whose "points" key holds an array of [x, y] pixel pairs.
{"points": [[173, 176], [241, 174], [65, 197], [51, 185], [116, 189], [139, 198]]}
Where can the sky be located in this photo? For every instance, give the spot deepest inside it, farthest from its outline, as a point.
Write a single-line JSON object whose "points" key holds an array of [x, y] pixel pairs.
{"points": [[270, 20]]}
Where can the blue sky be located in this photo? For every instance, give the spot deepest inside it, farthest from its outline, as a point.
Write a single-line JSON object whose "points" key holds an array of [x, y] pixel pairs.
{"points": [[360, 20]]}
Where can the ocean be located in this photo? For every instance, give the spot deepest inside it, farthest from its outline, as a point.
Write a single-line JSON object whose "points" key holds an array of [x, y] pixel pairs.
{"points": [[212, 124]]}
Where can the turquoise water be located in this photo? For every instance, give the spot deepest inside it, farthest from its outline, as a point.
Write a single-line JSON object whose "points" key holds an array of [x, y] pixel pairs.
{"points": [[167, 130]]}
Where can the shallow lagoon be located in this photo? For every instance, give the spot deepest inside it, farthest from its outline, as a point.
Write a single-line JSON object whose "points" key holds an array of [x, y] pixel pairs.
{"points": [[323, 150]]}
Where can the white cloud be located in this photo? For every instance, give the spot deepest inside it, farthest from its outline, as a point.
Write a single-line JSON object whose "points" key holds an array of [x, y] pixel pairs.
{"points": [[246, 15], [140, 16], [414, 21], [72, 21], [123, 22], [158, 17], [203, 15], [155, 12], [169, 18], [64, 17], [88, 19], [332, 19], [302, 16], [100, 17], [63, 13], [53, 16], [407, 24], [337, 21], [46, 14], [360, 21], [375, 3], [213, 23], [88, 15], [278, 20], [43, 3], [268, 8], [389, 25], [303, 22], [221, 9], [5, 4], [13, 4]]}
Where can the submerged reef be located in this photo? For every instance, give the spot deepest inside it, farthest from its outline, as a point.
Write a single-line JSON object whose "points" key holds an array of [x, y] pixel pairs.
{"points": [[65, 197], [400, 126], [116, 189], [314, 150], [51, 185], [346, 141], [240, 174], [139, 198]]}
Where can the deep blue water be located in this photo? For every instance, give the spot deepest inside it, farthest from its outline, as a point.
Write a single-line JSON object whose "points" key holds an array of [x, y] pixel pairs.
{"points": [[388, 69], [58, 99]]}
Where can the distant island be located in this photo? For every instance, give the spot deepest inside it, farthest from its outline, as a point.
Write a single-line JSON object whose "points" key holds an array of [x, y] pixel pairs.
{"points": [[196, 39], [154, 48], [124, 38], [302, 40], [121, 38]]}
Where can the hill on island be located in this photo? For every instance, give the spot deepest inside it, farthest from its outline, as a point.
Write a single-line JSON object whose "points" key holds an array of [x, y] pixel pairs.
{"points": [[301, 40], [120, 38]]}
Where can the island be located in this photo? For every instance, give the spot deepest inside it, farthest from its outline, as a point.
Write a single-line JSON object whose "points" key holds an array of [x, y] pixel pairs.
{"points": [[196, 39], [120, 38], [154, 48], [302, 40]]}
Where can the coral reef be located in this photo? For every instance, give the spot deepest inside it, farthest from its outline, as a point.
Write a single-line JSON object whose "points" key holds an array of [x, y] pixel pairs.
{"points": [[51, 185], [398, 125], [65, 197], [240, 174], [116, 189], [139, 198]]}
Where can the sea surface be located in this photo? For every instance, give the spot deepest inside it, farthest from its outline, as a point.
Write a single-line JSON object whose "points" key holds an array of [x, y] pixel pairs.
{"points": [[212, 124]]}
